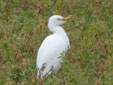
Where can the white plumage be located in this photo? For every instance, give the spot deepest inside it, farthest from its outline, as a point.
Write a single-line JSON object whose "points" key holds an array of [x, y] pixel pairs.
{"points": [[48, 58]]}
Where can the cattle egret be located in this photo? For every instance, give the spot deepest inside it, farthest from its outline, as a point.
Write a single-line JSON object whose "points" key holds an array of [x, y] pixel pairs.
{"points": [[48, 58]]}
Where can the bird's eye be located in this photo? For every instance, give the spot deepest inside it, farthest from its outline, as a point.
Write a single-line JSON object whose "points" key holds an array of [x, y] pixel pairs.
{"points": [[59, 19]]}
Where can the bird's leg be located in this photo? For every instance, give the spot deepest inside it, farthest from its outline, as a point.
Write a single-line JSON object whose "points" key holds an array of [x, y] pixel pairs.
{"points": [[39, 78], [41, 70], [51, 69]]}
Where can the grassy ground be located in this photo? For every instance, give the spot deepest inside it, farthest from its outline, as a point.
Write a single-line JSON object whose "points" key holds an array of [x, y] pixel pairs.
{"points": [[23, 26]]}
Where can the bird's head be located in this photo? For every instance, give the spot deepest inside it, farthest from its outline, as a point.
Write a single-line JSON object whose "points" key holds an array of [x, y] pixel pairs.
{"points": [[57, 20]]}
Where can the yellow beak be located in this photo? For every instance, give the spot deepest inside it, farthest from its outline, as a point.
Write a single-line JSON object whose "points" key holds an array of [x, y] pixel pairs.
{"points": [[65, 18]]}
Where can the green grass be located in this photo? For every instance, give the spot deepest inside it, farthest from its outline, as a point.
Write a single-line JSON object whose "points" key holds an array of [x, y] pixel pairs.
{"points": [[23, 26]]}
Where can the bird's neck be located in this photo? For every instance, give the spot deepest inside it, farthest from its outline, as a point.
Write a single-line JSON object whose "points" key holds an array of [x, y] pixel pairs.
{"points": [[59, 31]]}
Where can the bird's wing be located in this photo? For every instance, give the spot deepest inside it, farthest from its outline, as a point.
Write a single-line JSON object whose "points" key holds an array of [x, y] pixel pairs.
{"points": [[51, 47]]}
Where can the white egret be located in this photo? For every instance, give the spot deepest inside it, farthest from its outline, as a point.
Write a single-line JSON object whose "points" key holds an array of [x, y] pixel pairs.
{"points": [[48, 60]]}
